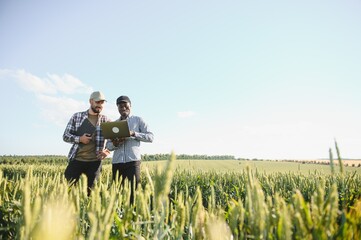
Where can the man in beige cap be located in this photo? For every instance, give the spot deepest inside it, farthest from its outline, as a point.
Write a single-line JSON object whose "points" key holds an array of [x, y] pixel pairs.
{"points": [[87, 151]]}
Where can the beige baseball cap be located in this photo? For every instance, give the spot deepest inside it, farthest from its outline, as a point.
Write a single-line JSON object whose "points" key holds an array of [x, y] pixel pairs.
{"points": [[97, 96]]}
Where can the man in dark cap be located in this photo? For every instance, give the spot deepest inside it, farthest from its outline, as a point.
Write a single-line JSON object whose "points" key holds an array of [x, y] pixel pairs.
{"points": [[87, 151], [127, 155]]}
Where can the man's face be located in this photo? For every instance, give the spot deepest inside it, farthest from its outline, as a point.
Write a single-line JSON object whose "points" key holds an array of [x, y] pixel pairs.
{"points": [[96, 106], [124, 109]]}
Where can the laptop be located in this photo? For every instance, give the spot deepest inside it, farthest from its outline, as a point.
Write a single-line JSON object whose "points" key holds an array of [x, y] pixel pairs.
{"points": [[117, 129]]}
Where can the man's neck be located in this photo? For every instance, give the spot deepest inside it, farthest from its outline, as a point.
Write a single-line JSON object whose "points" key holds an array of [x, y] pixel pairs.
{"points": [[90, 112], [124, 117]]}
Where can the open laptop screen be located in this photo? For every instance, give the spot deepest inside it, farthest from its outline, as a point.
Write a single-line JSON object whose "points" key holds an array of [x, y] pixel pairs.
{"points": [[117, 129]]}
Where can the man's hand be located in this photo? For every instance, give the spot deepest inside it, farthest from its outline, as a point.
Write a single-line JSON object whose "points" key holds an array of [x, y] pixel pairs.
{"points": [[86, 138], [103, 154], [118, 141]]}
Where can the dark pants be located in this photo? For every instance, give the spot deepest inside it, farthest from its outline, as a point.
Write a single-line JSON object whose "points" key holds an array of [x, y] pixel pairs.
{"points": [[130, 171], [91, 170]]}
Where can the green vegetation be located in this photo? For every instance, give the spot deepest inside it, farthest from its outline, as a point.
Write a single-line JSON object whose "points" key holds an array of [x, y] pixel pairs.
{"points": [[182, 199], [54, 159], [259, 166]]}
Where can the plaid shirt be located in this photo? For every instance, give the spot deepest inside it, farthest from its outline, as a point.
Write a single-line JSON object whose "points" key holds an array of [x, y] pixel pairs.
{"points": [[74, 123]]}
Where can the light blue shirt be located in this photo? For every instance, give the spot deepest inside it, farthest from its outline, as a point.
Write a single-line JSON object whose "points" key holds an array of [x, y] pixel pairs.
{"points": [[130, 150]]}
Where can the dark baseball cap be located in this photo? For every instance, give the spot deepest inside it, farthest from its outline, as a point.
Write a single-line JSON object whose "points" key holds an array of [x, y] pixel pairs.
{"points": [[123, 99]]}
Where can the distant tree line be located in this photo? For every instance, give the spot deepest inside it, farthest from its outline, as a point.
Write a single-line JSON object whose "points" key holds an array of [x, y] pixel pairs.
{"points": [[32, 159], [57, 159], [157, 157]]}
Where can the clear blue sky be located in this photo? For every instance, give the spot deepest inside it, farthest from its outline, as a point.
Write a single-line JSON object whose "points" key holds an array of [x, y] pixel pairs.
{"points": [[254, 79]]}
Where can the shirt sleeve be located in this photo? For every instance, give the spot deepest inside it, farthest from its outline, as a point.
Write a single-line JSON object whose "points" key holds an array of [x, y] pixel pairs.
{"points": [[109, 145], [101, 142], [69, 133], [144, 134]]}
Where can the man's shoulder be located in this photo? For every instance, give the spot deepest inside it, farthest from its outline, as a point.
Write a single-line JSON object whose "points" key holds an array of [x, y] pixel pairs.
{"points": [[135, 117], [79, 114], [104, 118]]}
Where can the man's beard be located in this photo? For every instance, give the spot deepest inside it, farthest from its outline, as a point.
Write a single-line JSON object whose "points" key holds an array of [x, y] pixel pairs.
{"points": [[96, 110]]}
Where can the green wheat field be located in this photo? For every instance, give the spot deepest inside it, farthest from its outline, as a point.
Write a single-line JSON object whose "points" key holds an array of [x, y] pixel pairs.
{"points": [[183, 199]]}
